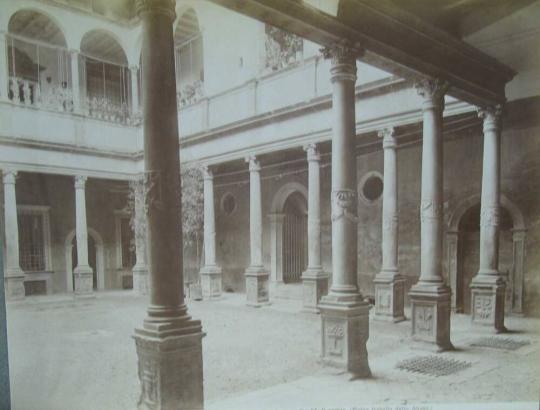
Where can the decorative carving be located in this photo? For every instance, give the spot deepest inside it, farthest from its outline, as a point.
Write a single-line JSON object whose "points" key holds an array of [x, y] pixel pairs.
{"points": [[282, 48], [149, 377], [80, 181], [490, 216], [483, 307], [433, 91], [334, 336], [254, 164], [312, 152], [430, 210], [207, 172], [492, 116], [343, 52], [423, 319], [344, 203], [190, 94], [102, 108], [9, 176], [389, 137], [165, 7]]}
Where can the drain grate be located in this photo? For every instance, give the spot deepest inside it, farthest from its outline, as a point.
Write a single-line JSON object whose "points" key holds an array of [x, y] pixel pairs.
{"points": [[500, 343], [432, 365]]}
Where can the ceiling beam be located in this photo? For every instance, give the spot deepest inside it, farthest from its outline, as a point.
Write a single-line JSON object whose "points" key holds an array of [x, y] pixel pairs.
{"points": [[395, 41]]}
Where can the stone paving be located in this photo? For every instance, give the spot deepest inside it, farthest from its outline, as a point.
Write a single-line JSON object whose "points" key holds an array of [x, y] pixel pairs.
{"points": [[79, 354]]}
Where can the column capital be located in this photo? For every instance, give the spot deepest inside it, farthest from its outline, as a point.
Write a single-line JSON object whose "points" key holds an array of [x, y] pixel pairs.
{"points": [[165, 7], [134, 68], [432, 90], [207, 173], [9, 176], [254, 164], [74, 52], [492, 116], [313, 153], [80, 181], [343, 55], [389, 137]]}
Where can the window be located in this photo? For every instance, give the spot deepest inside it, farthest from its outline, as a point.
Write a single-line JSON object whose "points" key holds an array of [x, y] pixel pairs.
{"points": [[371, 187], [33, 238], [228, 203], [128, 248]]}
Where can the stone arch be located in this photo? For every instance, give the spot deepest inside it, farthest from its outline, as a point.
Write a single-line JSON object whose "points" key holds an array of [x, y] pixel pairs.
{"points": [[453, 237], [92, 44], [100, 261], [37, 11], [277, 219]]}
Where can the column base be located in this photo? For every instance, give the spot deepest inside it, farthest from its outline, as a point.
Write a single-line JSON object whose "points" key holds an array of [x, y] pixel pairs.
{"points": [[314, 287], [487, 301], [211, 282], [257, 286], [389, 297], [14, 285], [345, 331], [170, 371], [140, 280], [84, 280], [431, 314]]}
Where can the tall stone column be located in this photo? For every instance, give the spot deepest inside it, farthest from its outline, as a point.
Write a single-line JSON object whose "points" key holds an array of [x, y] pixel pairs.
{"points": [[3, 68], [488, 286], [430, 297], [314, 280], [134, 90], [14, 276], [169, 343], [210, 272], [344, 313], [140, 270], [82, 273], [389, 284], [75, 83], [256, 275]]}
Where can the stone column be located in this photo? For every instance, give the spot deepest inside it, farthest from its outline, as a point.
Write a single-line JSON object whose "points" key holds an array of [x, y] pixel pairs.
{"points": [[314, 280], [169, 343], [82, 273], [3, 68], [430, 297], [256, 276], [276, 256], [134, 90], [488, 286], [389, 284], [210, 272], [14, 276], [75, 83], [344, 313], [140, 270]]}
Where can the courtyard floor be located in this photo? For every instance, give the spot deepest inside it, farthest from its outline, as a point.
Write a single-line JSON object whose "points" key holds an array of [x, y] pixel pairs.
{"points": [[79, 354]]}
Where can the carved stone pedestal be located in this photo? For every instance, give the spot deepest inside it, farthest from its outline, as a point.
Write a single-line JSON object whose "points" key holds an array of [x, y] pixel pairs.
{"points": [[389, 298], [170, 371], [431, 315], [314, 287], [14, 286], [211, 282], [488, 294], [257, 287], [84, 280], [140, 280], [345, 331]]}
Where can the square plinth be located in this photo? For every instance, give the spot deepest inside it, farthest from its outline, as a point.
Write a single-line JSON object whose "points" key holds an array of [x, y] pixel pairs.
{"points": [[256, 288], [84, 280], [389, 300], [488, 305], [211, 282], [314, 287]]}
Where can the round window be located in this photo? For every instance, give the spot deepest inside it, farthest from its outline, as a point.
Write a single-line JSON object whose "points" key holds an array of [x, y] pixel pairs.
{"points": [[372, 187], [228, 203]]}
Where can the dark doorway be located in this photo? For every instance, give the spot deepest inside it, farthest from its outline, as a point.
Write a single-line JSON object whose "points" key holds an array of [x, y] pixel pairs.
{"points": [[294, 238]]}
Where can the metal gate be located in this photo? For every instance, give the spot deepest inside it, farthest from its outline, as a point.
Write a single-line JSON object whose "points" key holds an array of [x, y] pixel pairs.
{"points": [[294, 247]]}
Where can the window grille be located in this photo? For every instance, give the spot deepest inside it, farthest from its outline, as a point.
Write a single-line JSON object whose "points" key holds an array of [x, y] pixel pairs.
{"points": [[128, 250], [31, 242]]}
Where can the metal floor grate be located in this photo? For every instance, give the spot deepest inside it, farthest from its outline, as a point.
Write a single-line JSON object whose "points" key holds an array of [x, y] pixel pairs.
{"points": [[500, 343], [432, 365]]}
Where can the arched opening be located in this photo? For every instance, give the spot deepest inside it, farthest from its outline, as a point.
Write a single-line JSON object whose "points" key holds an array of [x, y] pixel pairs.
{"points": [[468, 252], [294, 238], [39, 64], [106, 77], [95, 259], [188, 54]]}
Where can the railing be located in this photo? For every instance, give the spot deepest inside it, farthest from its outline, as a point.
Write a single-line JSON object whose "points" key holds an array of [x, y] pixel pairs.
{"points": [[102, 108], [189, 94], [29, 93]]}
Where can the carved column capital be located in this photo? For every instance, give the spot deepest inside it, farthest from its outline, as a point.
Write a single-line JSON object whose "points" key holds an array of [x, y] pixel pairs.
{"points": [[312, 151], [134, 68], [165, 7], [254, 164], [432, 90], [343, 56], [207, 173], [9, 176], [492, 116], [73, 52], [80, 181], [344, 205], [389, 137]]}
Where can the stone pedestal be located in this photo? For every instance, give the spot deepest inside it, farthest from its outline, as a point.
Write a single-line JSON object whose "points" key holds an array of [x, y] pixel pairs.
{"points": [[211, 282], [140, 279], [83, 274], [83, 280], [164, 364], [431, 315], [487, 302], [314, 287], [257, 286], [389, 300]]}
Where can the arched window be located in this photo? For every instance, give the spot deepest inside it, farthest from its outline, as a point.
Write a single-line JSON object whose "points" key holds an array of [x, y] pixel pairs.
{"points": [[39, 65], [188, 53], [107, 78]]}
